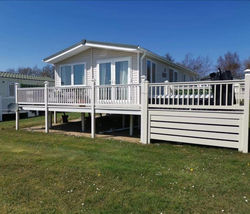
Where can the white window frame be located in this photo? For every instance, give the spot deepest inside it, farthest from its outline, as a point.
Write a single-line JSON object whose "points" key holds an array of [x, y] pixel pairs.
{"points": [[72, 74], [151, 69], [112, 61]]}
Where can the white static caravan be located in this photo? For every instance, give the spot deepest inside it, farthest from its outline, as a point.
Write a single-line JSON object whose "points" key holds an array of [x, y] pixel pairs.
{"points": [[7, 89], [96, 77], [113, 64]]}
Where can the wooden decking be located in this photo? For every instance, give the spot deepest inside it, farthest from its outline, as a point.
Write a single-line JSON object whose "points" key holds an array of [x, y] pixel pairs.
{"points": [[147, 98]]}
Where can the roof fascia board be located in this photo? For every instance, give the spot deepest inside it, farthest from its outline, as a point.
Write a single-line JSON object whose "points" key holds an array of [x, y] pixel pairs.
{"points": [[95, 45], [57, 56]]}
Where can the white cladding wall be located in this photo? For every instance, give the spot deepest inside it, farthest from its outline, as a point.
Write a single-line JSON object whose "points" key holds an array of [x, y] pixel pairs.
{"points": [[98, 54], [102, 54]]}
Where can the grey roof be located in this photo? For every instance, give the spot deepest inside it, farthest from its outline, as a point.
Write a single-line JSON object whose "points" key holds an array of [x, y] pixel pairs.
{"points": [[24, 77], [84, 41]]}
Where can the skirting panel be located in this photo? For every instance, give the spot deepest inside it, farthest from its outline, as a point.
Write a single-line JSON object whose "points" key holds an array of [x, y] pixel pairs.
{"points": [[213, 128]]}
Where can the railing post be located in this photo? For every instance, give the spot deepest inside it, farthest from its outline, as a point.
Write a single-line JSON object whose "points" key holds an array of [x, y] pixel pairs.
{"points": [[144, 110], [17, 110], [165, 89], [1, 114], [46, 83], [83, 121], [131, 125], [245, 125], [93, 109]]}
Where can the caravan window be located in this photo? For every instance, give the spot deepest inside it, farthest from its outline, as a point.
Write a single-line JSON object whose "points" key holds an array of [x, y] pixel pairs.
{"points": [[73, 74], [151, 71], [11, 89], [66, 75]]}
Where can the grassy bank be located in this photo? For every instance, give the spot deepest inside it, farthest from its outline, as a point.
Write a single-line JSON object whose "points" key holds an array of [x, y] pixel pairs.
{"points": [[54, 173]]}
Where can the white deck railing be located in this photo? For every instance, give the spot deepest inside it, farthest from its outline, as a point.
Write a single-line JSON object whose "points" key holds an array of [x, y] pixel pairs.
{"points": [[82, 95], [30, 95], [118, 94], [226, 94], [69, 95]]}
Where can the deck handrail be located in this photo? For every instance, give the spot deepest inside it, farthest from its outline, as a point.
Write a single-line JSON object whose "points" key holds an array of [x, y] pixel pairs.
{"points": [[118, 94], [81, 95], [201, 82], [218, 94]]}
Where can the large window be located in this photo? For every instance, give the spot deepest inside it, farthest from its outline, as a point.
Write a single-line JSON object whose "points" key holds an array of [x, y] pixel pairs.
{"points": [[121, 72], [66, 75], [78, 74], [175, 76], [171, 75], [105, 73], [11, 89], [73, 74], [151, 71]]}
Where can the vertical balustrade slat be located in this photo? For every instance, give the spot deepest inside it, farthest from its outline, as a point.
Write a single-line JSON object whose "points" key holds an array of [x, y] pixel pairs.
{"points": [[183, 94], [198, 101], [226, 94], [215, 94], [204, 94], [173, 95], [209, 94], [178, 93], [221, 94], [232, 95], [193, 91], [168, 93], [151, 96]]}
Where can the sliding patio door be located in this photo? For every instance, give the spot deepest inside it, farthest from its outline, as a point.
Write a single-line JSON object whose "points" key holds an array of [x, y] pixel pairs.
{"points": [[113, 77]]}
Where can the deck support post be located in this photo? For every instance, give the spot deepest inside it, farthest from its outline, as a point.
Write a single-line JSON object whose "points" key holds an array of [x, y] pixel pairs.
{"points": [[131, 127], [1, 115], [16, 101], [50, 119], [46, 106], [144, 110], [83, 121], [55, 117], [245, 125], [123, 120], [93, 109]]}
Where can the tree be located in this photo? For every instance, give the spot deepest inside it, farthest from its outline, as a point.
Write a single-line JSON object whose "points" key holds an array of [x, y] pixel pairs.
{"points": [[200, 65], [230, 62], [11, 70], [48, 71], [169, 57], [25, 70], [247, 63]]}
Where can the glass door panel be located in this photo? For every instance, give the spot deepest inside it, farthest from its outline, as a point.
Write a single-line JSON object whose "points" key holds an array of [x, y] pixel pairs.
{"points": [[105, 93], [121, 78]]}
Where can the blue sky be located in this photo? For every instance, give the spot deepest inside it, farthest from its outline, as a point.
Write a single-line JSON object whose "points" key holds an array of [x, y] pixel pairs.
{"points": [[30, 31]]}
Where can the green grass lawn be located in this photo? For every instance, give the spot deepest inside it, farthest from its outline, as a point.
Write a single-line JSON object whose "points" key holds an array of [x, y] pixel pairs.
{"points": [[52, 173]]}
